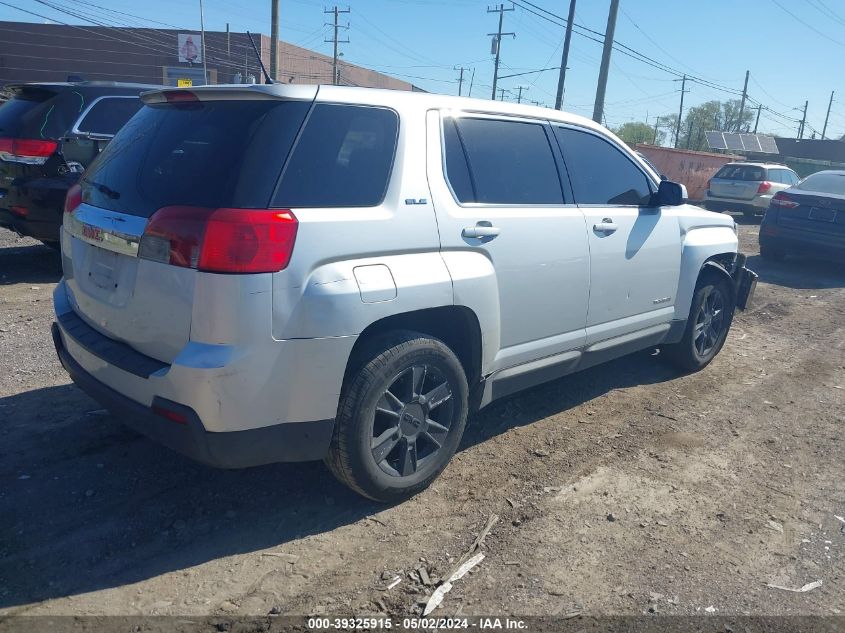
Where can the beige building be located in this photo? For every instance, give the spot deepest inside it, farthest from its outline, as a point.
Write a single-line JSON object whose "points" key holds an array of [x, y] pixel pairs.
{"points": [[53, 52]]}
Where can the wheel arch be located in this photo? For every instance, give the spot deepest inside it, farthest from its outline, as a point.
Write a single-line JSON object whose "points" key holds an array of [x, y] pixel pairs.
{"points": [[457, 326]]}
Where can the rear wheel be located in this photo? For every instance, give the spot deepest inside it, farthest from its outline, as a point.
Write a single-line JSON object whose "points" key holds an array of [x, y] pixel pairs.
{"points": [[401, 416], [708, 324]]}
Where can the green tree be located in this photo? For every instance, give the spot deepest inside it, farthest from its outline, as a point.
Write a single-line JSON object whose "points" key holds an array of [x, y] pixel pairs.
{"points": [[635, 132], [721, 116]]}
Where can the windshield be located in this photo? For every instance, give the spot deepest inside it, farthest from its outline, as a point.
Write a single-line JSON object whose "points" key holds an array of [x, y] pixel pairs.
{"points": [[206, 154], [824, 182]]}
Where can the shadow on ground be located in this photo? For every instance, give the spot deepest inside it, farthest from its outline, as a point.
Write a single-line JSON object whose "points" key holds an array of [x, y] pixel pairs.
{"points": [[89, 504], [29, 264]]}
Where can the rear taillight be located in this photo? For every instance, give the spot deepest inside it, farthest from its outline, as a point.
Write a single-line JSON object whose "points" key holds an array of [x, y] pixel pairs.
{"points": [[73, 198], [168, 414], [27, 151], [221, 240], [784, 200], [764, 186]]}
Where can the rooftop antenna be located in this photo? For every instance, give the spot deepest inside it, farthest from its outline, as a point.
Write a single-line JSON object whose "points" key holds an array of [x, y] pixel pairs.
{"points": [[267, 78]]}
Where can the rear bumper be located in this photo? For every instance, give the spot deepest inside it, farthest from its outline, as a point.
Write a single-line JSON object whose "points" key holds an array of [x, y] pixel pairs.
{"points": [[758, 204], [46, 230], [289, 442], [805, 243]]}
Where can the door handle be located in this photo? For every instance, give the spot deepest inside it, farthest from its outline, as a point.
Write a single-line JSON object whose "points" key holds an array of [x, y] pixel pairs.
{"points": [[482, 230], [607, 225]]}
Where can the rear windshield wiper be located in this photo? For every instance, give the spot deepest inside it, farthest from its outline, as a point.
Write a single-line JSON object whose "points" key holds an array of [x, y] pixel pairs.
{"points": [[105, 190]]}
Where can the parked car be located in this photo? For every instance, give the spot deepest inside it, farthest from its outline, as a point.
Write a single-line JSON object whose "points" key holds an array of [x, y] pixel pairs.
{"points": [[49, 134], [747, 187], [282, 273], [807, 219]]}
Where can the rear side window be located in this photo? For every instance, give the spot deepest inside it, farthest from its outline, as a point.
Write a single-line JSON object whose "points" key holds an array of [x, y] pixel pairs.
{"points": [[500, 162], [35, 114], [599, 172], [343, 158], [109, 114], [741, 172], [206, 154]]}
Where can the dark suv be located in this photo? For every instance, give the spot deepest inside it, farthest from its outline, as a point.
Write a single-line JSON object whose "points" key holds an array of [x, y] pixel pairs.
{"points": [[49, 134]]}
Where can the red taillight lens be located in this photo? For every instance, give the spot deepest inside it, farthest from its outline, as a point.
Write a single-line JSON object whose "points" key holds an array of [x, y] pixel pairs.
{"points": [[784, 200], [19, 210], [73, 199], [25, 150], [764, 186], [221, 240]]}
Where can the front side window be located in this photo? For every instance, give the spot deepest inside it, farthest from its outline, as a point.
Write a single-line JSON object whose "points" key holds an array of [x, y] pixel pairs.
{"points": [[599, 172], [108, 115], [492, 161], [343, 158]]}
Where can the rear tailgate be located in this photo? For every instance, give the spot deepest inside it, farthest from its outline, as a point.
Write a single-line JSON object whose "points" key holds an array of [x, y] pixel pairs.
{"points": [[143, 303], [197, 155], [816, 212], [739, 182]]}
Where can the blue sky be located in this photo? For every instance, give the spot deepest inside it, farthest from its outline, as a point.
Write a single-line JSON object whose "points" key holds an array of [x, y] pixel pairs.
{"points": [[793, 48]]}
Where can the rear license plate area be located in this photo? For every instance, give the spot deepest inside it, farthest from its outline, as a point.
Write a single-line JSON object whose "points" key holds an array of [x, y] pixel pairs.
{"points": [[821, 215]]}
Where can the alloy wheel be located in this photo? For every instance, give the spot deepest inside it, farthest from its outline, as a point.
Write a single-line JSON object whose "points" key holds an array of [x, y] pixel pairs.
{"points": [[412, 420]]}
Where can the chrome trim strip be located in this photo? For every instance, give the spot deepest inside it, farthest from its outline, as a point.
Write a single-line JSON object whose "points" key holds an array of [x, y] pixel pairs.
{"points": [[116, 232]]}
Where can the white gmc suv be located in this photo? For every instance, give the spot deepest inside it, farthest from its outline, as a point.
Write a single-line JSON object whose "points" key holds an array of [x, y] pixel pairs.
{"points": [[282, 273]]}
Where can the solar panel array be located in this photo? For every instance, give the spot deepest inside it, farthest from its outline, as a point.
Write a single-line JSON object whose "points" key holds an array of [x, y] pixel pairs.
{"points": [[715, 140], [759, 143]]}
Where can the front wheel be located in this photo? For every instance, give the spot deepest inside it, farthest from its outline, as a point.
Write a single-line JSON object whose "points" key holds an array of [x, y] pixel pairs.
{"points": [[708, 324], [401, 416]]}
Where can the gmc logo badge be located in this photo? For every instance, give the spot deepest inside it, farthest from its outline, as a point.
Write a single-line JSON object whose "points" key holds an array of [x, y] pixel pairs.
{"points": [[92, 232]]}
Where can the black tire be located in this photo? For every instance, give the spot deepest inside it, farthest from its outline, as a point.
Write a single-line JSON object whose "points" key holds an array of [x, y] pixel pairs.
{"points": [[772, 254], [418, 439], [705, 331]]}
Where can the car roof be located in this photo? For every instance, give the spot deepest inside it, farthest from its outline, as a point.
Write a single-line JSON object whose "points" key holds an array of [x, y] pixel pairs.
{"points": [[758, 164], [372, 96], [80, 84]]}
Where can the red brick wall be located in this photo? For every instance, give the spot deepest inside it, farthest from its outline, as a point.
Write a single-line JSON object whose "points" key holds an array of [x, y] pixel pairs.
{"points": [[692, 169]]}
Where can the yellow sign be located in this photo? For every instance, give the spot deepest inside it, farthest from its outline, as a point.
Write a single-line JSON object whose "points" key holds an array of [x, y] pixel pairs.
{"points": [[184, 83]]}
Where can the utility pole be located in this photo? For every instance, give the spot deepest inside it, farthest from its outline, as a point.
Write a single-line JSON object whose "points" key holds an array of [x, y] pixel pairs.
{"points": [[202, 30], [680, 110], [742, 103], [471, 82], [521, 88], [460, 79], [497, 42], [757, 122], [502, 92], [803, 121], [656, 123], [564, 58], [827, 116], [336, 11], [601, 89], [274, 39]]}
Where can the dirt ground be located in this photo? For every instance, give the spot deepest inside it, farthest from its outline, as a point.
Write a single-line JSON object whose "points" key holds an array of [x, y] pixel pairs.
{"points": [[626, 489]]}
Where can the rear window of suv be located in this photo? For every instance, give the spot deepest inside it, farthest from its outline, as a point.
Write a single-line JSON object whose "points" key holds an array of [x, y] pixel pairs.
{"points": [[741, 172], [35, 113], [206, 154]]}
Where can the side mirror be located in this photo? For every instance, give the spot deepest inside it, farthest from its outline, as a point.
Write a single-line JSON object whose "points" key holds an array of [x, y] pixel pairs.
{"points": [[669, 194]]}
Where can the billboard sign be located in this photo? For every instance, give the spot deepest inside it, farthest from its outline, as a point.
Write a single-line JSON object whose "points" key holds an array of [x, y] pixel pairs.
{"points": [[190, 48]]}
